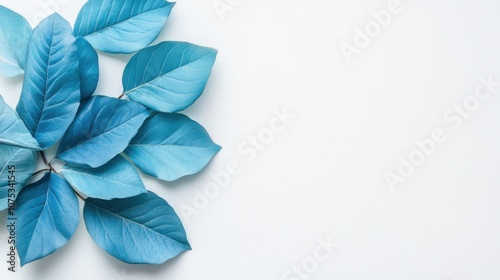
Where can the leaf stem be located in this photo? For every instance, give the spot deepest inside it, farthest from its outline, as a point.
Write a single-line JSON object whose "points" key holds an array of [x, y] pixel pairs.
{"points": [[52, 169], [43, 157], [79, 195], [121, 96], [40, 171], [47, 162]]}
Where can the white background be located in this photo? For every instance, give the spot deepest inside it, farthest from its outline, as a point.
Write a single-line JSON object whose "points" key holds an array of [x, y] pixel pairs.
{"points": [[323, 175]]}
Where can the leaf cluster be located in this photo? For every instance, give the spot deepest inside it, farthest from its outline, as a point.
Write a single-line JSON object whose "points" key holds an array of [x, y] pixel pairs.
{"points": [[102, 140]]}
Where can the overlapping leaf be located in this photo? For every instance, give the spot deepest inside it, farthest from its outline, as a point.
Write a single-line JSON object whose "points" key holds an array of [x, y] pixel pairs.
{"points": [[61, 70], [21, 164], [168, 77], [170, 146], [15, 33], [122, 26], [48, 215], [89, 68], [116, 179], [140, 229], [51, 89], [12, 129], [102, 129]]}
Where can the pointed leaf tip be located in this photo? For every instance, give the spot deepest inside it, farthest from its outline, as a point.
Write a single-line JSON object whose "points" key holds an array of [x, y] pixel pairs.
{"points": [[50, 96], [168, 77], [48, 215], [171, 146], [122, 26], [139, 230]]}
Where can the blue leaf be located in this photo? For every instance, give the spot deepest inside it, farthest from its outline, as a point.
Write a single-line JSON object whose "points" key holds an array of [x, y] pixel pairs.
{"points": [[122, 26], [89, 68], [170, 146], [116, 179], [22, 165], [168, 77], [15, 33], [102, 129], [48, 215], [139, 230], [12, 129], [51, 89]]}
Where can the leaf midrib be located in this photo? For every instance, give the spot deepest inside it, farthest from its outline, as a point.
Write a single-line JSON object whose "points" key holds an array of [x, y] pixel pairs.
{"points": [[18, 65], [161, 76], [112, 25], [85, 174], [105, 132], [133, 222], [46, 79]]}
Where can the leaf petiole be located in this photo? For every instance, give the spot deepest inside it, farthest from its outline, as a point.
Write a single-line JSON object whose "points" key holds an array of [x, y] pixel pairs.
{"points": [[40, 171], [44, 158], [79, 195], [52, 169]]}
